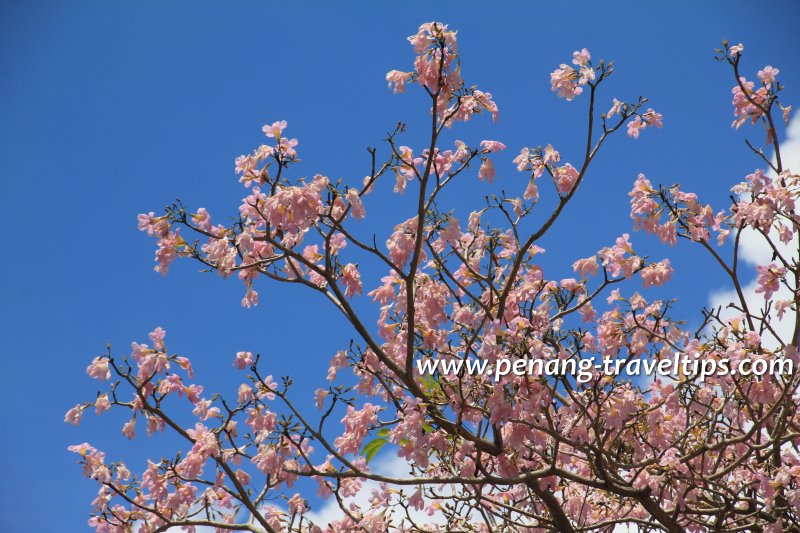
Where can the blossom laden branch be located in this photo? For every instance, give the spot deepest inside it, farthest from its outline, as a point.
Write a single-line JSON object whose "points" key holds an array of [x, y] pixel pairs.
{"points": [[486, 451]]}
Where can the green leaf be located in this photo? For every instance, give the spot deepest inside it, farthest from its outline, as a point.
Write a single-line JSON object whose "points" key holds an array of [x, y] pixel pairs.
{"points": [[428, 384], [373, 447]]}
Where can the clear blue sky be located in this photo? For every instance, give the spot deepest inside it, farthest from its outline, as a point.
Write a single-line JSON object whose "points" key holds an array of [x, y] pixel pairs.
{"points": [[109, 109]]}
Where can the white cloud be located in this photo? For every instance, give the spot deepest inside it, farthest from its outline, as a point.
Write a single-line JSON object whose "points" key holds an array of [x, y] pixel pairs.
{"points": [[383, 465], [754, 250], [386, 465]]}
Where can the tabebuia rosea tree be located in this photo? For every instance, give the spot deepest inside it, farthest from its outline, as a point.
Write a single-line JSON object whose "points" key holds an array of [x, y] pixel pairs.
{"points": [[485, 451]]}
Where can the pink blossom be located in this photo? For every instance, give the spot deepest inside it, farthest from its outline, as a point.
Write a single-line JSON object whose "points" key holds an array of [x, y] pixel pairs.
{"points": [[286, 147], [427, 69], [587, 73], [167, 251], [221, 254], [205, 441], [635, 126], [266, 388], [586, 266], [297, 505], [99, 368], [398, 79], [338, 361], [581, 58], [357, 423], [747, 103], [429, 33], [451, 233], [203, 219], [351, 279], [311, 253], [523, 160], [146, 222], [416, 501], [565, 177], [551, 155], [587, 312], [769, 278], [203, 410], [616, 262], [295, 208], [641, 196], [158, 226], [192, 392], [785, 111], [401, 242], [275, 129], [74, 415], [517, 203], [245, 393], [564, 81], [492, 146], [250, 298], [473, 104], [571, 284], [101, 404], [185, 364], [319, 397], [400, 181], [243, 360], [337, 242], [261, 419], [94, 465], [781, 306], [487, 171], [129, 429], [785, 233], [531, 191], [157, 337], [656, 274], [767, 74], [653, 119], [267, 460], [356, 206], [82, 449], [154, 424], [615, 109]]}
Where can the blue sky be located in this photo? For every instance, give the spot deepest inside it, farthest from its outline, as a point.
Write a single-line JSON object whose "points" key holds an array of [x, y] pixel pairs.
{"points": [[108, 110]]}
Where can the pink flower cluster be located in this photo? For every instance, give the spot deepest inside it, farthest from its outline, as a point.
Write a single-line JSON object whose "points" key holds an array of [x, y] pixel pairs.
{"points": [[294, 209], [650, 118], [540, 160], [567, 81], [685, 217], [766, 202], [437, 69], [751, 103], [357, 423], [620, 259]]}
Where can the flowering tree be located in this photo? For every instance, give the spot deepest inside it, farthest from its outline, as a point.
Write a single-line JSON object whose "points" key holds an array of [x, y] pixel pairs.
{"points": [[487, 450]]}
